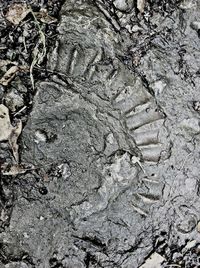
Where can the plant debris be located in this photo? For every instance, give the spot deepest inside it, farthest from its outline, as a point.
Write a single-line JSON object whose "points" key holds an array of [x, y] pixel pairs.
{"points": [[39, 51], [14, 170], [17, 12], [141, 5], [44, 17], [13, 139], [4, 63], [8, 132], [5, 124], [10, 74]]}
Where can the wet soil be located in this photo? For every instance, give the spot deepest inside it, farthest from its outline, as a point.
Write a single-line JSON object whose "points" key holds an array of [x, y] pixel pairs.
{"points": [[110, 139]]}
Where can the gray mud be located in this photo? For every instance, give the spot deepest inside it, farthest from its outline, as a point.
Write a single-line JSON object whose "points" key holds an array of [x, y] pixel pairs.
{"points": [[113, 135]]}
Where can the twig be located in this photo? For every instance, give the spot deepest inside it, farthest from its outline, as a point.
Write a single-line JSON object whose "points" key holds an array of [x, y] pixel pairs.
{"points": [[21, 110], [173, 265], [38, 55], [50, 71]]}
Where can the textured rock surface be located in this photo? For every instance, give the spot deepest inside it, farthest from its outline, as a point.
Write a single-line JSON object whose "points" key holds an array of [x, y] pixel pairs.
{"points": [[114, 135]]}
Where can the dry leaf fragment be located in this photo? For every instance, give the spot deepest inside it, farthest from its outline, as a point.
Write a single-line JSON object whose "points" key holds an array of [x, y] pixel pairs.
{"points": [[16, 131], [6, 62], [140, 5], [44, 17], [16, 13], [5, 124], [14, 170], [10, 74], [8, 132]]}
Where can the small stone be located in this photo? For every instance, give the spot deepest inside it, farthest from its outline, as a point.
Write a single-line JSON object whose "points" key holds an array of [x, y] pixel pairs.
{"points": [[14, 101], [195, 25], [40, 136], [43, 190], [198, 249], [187, 224], [154, 261], [191, 124], [187, 4], [1, 91], [65, 170], [136, 28], [16, 265], [196, 106], [18, 85], [176, 256], [158, 87], [198, 226], [25, 235], [123, 5], [190, 244], [20, 39]]}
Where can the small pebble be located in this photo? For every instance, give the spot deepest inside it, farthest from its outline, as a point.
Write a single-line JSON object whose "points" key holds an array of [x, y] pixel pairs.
{"points": [[43, 190], [40, 136], [14, 101], [198, 226]]}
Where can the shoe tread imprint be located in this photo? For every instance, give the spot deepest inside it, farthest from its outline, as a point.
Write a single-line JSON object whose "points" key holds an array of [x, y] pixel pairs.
{"points": [[88, 56]]}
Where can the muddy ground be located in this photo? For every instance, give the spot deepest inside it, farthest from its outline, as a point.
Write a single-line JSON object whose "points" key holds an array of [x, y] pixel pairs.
{"points": [[108, 172]]}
